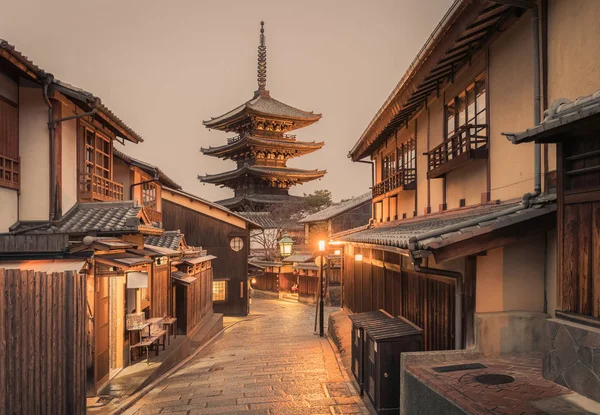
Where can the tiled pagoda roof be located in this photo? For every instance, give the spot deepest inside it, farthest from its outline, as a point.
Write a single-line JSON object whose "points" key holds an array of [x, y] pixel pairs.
{"points": [[264, 171], [290, 145]]}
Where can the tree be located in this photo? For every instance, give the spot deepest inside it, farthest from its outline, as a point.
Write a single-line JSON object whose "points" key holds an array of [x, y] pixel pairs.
{"points": [[316, 201]]}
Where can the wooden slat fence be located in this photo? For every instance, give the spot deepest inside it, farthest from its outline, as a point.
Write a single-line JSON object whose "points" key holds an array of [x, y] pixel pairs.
{"points": [[43, 346]]}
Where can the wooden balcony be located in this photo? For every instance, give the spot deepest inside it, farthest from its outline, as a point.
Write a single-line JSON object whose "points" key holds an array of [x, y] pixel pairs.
{"points": [[467, 143], [9, 172], [94, 188], [153, 214], [405, 179]]}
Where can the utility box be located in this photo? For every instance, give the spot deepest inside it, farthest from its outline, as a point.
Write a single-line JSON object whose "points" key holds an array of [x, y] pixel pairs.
{"points": [[384, 342], [359, 320]]}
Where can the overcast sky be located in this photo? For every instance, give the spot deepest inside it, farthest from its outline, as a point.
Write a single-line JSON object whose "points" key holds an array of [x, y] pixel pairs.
{"points": [[164, 66]]}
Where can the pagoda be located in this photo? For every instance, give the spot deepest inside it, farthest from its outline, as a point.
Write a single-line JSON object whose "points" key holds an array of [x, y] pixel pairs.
{"points": [[261, 147]]}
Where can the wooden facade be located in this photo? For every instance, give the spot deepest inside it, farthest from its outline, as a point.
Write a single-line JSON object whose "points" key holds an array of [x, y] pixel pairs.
{"points": [[43, 327], [215, 236], [193, 301]]}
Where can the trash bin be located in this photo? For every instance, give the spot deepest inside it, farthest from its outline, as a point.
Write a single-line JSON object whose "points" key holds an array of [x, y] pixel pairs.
{"points": [[358, 322], [384, 342]]}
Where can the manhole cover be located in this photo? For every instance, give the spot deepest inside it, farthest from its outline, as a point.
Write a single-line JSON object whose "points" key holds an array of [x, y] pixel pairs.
{"points": [[494, 379]]}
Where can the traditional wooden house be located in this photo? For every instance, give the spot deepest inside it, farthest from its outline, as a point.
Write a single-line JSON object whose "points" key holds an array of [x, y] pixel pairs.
{"points": [[574, 126], [262, 147], [464, 241], [340, 217], [224, 234]]}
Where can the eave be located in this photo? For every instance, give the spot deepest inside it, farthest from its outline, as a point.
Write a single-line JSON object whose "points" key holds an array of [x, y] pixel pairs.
{"points": [[262, 144], [266, 172], [465, 29]]}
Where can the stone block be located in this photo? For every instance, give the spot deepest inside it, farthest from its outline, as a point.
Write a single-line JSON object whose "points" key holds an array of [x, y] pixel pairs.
{"points": [[566, 350], [551, 328], [585, 356], [583, 380], [596, 364]]}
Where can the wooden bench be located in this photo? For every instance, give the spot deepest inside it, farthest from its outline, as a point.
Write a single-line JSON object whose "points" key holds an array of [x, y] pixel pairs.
{"points": [[159, 333], [146, 343]]}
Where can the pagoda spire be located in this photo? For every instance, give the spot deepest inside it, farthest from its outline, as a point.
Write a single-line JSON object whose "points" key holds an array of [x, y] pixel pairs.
{"points": [[262, 63]]}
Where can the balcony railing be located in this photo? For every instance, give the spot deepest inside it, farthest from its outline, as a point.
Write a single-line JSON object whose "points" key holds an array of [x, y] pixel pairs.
{"points": [[468, 142], [153, 214], [9, 172], [405, 179], [97, 188]]}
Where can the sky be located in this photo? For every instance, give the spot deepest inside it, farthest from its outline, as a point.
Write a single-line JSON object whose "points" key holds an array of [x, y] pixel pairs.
{"points": [[165, 66]]}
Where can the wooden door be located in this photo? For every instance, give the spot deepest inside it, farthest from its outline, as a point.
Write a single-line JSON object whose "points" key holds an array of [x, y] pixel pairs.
{"points": [[102, 344]]}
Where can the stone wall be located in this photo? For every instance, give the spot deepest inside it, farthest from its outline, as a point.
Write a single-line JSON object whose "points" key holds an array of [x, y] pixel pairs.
{"points": [[573, 357]]}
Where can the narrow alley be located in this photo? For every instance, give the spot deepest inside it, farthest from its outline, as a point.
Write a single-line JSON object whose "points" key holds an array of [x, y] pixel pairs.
{"points": [[267, 363]]}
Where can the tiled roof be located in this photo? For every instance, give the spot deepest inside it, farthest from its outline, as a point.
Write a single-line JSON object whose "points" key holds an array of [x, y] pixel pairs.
{"points": [[148, 168], [66, 88], [103, 217], [561, 113], [337, 209], [169, 239], [299, 257], [272, 142], [435, 231], [264, 219], [263, 171], [265, 105], [260, 199]]}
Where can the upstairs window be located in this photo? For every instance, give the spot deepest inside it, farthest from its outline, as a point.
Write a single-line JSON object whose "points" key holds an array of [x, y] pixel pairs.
{"points": [[9, 144], [98, 154], [468, 110], [149, 195], [388, 166]]}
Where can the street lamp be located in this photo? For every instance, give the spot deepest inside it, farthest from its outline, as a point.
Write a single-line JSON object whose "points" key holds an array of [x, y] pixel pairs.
{"points": [[285, 245], [321, 291]]}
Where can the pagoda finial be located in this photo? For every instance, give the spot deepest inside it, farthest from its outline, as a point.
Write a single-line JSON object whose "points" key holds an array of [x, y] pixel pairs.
{"points": [[262, 62]]}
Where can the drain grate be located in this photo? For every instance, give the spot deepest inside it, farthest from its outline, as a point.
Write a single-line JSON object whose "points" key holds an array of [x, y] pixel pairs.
{"points": [[456, 368], [494, 379]]}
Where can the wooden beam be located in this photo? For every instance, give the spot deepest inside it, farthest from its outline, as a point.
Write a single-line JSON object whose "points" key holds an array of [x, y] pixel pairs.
{"points": [[524, 4]]}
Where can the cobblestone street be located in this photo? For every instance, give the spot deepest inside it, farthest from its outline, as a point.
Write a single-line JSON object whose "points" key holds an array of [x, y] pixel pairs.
{"points": [[268, 363]]}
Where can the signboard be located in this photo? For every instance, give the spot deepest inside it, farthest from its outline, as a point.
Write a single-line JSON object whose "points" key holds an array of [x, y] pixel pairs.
{"points": [[137, 280]]}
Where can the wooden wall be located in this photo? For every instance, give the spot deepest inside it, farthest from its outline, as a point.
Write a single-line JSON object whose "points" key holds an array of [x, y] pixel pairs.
{"points": [[215, 235], [267, 281], [378, 282], [354, 218], [43, 349], [308, 288], [197, 301], [160, 290]]}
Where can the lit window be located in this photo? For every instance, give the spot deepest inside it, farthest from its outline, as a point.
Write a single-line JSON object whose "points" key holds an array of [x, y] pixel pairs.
{"points": [[236, 244], [220, 290]]}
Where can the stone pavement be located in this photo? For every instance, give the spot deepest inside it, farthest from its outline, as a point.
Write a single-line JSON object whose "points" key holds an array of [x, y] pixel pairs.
{"points": [[268, 363]]}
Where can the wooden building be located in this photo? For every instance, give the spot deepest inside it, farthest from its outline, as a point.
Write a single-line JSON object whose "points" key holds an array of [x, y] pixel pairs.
{"points": [[261, 147], [224, 234], [464, 241], [573, 126], [338, 218]]}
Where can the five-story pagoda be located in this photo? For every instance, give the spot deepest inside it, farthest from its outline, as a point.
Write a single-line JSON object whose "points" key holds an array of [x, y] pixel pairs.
{"points": [[262, 147]]}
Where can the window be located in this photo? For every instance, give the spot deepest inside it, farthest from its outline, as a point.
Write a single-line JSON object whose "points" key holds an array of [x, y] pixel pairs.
{"points": [[149, 195], [468, 110], [219, 290], [388, 166], [236, 243], [97, 154], [9, 144]]}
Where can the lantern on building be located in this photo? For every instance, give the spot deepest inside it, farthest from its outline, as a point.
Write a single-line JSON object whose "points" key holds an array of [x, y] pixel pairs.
{"points": [[285, 245]]}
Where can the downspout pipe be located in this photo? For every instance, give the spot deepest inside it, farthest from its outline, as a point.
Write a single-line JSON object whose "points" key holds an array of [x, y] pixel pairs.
{"points": [[458, 294], [537, 98]]}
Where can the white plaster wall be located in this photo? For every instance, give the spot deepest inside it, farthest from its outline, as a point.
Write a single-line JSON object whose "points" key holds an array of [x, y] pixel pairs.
{"points": [[9, 88], [8, 208], [69, 164], [467, 182], [35, 155], [122, 174], [422, 121]]}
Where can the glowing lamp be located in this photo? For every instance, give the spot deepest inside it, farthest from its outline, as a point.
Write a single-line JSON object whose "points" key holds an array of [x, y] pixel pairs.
{"points": [[321, 246], [358, 257], [285, 245], [338, 252]]}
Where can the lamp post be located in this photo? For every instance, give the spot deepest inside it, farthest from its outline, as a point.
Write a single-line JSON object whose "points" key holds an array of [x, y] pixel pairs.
{"points": [[321, 291]]}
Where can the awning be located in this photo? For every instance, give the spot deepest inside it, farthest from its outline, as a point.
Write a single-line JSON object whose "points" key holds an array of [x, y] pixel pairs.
{"points": [[307, 266], [182, 278], [123, 260], [198, 260], [299, 258], [45, 265]]}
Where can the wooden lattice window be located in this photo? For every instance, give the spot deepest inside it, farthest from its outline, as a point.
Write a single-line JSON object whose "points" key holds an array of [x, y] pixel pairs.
{"points": [[388, 166], [220, 290], [9, 144], [149, 192], [468, 109], [97, 154]]}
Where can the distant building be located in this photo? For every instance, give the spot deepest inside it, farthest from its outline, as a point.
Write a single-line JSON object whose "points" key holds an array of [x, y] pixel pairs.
{"points": [[262, 147]]}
